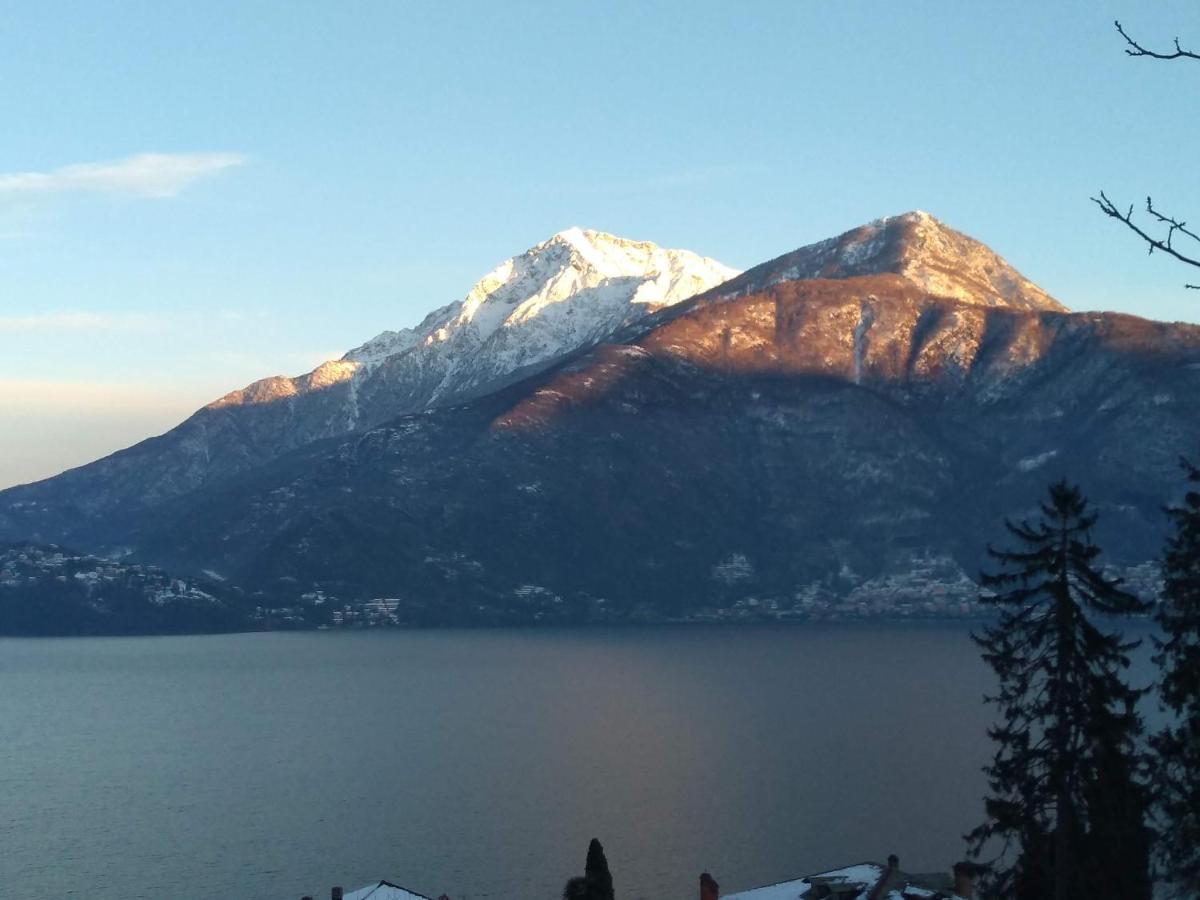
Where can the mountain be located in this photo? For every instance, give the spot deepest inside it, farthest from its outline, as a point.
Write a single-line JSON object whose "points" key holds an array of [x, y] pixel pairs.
{"points": [[570, 291], [853, 434], [937, 259], [841, 429]]}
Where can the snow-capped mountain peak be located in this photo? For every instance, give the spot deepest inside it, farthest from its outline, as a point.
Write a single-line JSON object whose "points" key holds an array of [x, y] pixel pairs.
{"points": [[573, 289], [570, 289]]}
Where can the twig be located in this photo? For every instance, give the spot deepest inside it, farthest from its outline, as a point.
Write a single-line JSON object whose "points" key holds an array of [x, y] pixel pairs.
{"points": [[1136, 49], [1164, 244]]}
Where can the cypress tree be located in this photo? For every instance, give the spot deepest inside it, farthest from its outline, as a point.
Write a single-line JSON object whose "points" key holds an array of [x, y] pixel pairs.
{"points": [[1064, 770], [596, 882], [595, 870], [1177, 746]]}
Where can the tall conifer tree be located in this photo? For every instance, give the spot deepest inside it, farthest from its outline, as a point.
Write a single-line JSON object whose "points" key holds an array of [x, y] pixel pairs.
{"points": [[595, 870], [596, 882], [1063, 779], [1178, 745]]}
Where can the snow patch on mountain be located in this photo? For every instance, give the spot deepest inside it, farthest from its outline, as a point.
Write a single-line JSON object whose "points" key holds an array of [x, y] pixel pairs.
{"points": [[614, 272], [571, 290], [1030, 463]]}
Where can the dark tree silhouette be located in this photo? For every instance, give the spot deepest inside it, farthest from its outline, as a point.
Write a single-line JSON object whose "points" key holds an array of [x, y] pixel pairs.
{"points": [[1118, 843], [1177, 746], [595, 870], [1063, 779], [596, 883], [1171, 231], [1136, 49]]}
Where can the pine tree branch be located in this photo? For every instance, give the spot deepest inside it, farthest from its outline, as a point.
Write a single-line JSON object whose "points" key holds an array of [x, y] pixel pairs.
{"points": [[1136, 49]]}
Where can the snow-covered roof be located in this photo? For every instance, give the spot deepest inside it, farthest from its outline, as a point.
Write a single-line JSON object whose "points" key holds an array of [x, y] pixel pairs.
{"points": [[868, 876], [384, 890]]}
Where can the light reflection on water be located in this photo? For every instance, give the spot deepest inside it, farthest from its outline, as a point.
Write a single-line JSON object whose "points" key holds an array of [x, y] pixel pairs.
{"points": [[479, 763]]}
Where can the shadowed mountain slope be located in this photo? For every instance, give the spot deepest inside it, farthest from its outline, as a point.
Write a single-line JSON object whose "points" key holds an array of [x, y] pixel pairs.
{"points": [[817, 436]]}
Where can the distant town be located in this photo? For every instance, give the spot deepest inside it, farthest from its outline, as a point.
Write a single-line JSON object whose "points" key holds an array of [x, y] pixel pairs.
{"points": [[50, 589], [30, 565], [46, 589]]}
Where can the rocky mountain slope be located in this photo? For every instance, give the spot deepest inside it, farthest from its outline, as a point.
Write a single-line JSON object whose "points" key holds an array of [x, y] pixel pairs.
{"points": [[849, 423], [937, 259], [569, 291]]}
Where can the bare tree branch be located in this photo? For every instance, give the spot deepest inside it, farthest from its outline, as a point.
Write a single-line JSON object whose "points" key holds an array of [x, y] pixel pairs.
{"points": [[1173, 225], [1164, 244], [1136, 49]]}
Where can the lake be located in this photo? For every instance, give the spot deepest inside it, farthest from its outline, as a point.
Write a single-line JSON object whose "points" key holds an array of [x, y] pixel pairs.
{"points": [[480, 763]]}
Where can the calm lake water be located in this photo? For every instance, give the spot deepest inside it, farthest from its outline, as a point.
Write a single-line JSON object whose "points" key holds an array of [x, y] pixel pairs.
{"points": [[479, 763]]}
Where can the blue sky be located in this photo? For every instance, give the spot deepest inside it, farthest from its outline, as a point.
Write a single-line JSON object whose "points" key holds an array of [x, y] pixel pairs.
{"points": [[193, 196]]}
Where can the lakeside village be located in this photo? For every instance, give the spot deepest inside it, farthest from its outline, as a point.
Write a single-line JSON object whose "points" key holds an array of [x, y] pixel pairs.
{"points": [[864, 881], [933, 587], [50, 567]]}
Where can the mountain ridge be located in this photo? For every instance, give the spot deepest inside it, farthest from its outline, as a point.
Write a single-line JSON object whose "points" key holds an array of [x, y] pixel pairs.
{"points": [[759, 439], [563, 294], [571, 264], [821, 456], [915, 245]]}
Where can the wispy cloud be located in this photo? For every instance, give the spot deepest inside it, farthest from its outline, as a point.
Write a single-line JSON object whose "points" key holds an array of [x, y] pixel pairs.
{"points": [[77, 321], [143, 175]]}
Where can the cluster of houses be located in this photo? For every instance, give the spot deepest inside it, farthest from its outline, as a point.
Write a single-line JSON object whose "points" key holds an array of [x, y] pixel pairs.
{"points": [[26, 565], [864, 881]]}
